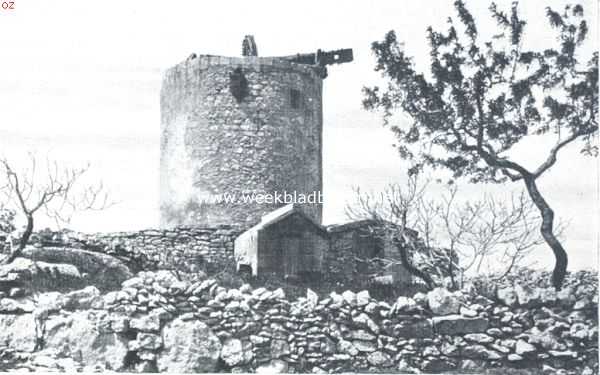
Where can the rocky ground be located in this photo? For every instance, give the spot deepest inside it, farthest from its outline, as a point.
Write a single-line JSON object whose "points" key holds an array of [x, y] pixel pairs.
{"points": [[155, 322]]}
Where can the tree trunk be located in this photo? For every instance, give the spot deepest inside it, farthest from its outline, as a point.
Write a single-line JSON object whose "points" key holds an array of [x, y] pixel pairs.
{"points": [[22, 242], [547, 231], [451, 270], [406, 263]]}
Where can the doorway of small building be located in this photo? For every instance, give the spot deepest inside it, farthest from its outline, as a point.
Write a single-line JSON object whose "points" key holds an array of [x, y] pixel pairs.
{"points": [[290, 247]]}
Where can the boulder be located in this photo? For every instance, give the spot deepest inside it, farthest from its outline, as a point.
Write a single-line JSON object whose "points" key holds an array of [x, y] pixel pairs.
{"points": [[584, 303], [468, 312], [514, 357], [336, 299], [422, 329], [349, 297], [145, 323], [135, 282], [49, 302], [450, 349], [507, 296], [189, 346], [470, 365], [364, 321], [118, 322], [566, 297], [438, 365], [279, 348], [83, 299], [362, 298], [145, 341], [430, 351], [524, 348], [482, 300], [278, 294], [480, 352], [19, 332], [11, 306], [361, 334], [480, 338], [548, 296], [565, 354], [312, 298], [275, 366], [579, 331], [379, 359], [81, 335], [50, 360], [404, 304], [364, 346], [104, 271], [234, 352], [17, 292], [420, 299], [546, 339], [145, 366], [456, 325], [40, 276], [346, 347], [405, 368], [443, 302], [528, 295]]}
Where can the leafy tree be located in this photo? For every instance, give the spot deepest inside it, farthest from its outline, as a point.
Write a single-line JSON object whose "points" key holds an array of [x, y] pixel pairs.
{"points": [[479, 100]]}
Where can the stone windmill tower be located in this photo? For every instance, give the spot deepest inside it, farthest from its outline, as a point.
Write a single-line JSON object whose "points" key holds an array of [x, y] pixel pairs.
{"points": [[241, 126]]}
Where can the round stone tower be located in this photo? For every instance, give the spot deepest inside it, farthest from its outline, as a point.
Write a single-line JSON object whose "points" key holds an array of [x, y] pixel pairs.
{"points": [[247, 130], [239, 135]]}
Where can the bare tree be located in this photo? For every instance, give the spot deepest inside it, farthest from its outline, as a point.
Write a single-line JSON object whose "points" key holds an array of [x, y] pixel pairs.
{"points": [[56, 191], [486, 235], [389, 211]]}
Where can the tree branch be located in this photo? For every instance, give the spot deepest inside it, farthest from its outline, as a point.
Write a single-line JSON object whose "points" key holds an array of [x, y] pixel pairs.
{"points": [[551, 160]]}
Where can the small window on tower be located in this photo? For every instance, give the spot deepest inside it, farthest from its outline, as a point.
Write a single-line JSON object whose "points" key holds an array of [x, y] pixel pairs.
{"points": [[295, 98]]}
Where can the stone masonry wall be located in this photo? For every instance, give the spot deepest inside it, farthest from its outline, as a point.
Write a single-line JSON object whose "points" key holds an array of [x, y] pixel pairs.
{"points": [[341, 257], [156, 322], [211, 144], [187, 249], [343, 261], [182, 248]]}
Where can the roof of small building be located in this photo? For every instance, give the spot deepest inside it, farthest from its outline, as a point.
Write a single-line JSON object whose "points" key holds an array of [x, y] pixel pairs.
{"points": [[351, 225], [359, 224], [281, 213]]}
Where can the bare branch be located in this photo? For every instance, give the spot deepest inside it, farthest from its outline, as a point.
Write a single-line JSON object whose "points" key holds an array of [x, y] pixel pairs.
{"points": [[59, 192], [478, 235]]}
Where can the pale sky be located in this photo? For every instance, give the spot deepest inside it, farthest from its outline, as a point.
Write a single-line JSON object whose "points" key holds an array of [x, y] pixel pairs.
{"points": [[80, 80]]}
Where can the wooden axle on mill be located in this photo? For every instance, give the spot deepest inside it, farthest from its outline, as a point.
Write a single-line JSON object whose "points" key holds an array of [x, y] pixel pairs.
{"points": [[320, 59]]}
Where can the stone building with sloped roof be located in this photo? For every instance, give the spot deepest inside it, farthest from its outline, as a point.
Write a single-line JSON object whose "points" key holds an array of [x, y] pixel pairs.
{"points": [[289, 242], [286, 241]]}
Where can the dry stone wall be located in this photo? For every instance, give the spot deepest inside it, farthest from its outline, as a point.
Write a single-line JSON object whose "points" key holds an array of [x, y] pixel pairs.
{"points": [[158, 323], [184, 248], [341, 257]]}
